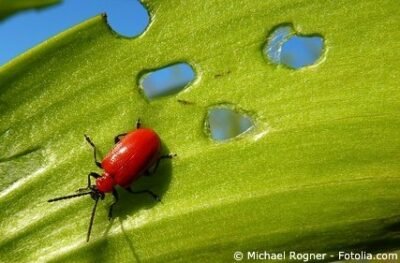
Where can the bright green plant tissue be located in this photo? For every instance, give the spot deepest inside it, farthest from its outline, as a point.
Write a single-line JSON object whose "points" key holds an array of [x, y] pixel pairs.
{"points": [[319, 171]]}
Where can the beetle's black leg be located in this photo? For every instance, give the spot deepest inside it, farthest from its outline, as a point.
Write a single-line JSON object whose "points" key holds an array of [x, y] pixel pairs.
{"points": [[153, 195], [92, 174], [98, 164], [168, 156], [116, 198], [117, 138]]}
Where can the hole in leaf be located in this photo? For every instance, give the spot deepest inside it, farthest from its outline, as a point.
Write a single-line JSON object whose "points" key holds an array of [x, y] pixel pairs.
{"points": [[128, 18], [286, 47], [224, 123], [167, 81]]}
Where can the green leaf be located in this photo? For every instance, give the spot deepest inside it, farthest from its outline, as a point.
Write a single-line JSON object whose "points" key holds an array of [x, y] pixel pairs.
{"points": [[8, 7], [319, 172]]}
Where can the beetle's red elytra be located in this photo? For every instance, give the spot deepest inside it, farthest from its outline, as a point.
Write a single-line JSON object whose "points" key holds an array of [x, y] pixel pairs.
{"points": [[133, 155]]}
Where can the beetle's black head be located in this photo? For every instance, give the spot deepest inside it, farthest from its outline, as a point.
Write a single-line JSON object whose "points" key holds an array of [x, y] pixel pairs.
{"points": [[95, 194]]}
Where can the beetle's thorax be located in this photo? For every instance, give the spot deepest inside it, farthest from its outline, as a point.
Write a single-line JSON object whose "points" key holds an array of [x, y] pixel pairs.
{"points": [[105, 183]]}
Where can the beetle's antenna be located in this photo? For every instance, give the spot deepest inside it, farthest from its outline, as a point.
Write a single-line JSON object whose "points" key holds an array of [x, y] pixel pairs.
{"points": [[67, 197], [92, 218]]}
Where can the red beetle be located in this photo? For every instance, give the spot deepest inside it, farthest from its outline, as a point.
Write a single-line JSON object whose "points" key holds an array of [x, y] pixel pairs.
{"points": [[131, 157]]}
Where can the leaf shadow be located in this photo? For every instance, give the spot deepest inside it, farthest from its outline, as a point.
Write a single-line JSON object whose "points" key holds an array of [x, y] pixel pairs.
{"points": [[158, 183]]}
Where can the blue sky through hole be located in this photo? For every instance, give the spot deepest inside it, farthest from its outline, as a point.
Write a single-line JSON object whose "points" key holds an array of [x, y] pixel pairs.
{"points": [[225, 123], [294, 51], [167, 81]]}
